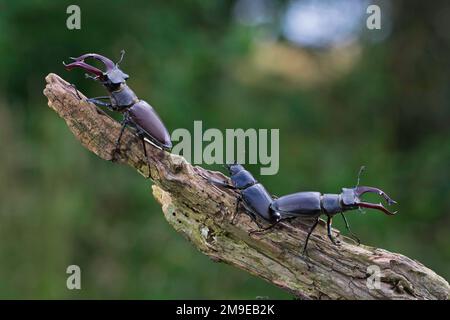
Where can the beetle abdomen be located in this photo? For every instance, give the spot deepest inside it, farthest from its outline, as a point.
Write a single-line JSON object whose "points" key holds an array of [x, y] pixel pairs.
{"points": [[301, 203], [146, 118], [258, 200]]}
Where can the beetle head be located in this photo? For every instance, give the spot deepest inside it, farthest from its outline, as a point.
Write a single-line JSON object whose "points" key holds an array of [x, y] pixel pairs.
{"points": [[351, 197], [111, 77]]}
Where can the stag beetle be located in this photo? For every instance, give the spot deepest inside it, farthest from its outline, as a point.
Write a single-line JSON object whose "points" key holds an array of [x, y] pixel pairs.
{"points": [[258, 202], [314, 204], [136, 113]]}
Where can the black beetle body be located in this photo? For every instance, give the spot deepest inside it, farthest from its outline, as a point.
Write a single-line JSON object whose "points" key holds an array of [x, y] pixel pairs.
{"points": [[258, 201], [314, 204], [137, 113], [298, 204]]}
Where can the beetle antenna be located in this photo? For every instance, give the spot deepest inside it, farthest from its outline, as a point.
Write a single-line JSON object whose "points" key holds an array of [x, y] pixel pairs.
{"points": [[122, 53], [359, 175], [357, 185]]}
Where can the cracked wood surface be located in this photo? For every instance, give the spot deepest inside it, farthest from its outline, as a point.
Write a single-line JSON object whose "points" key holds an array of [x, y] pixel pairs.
{"points": [[202, 213]]}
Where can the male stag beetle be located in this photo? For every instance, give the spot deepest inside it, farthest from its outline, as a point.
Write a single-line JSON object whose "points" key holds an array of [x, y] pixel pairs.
{"points": [[310, 205], [314, 204], [136, 113]]}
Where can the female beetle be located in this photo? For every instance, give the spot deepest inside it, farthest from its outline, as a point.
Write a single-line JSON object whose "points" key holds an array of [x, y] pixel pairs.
{"points": [[254, 197]]}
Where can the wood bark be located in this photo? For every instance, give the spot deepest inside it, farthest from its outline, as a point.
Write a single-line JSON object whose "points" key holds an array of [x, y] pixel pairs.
{"points": [[203, 214]]}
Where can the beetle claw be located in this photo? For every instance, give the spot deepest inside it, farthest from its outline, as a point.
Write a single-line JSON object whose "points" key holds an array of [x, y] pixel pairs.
{"points": [[378, 206], [84, 66], [352, 198], [79, 63], [359, 191]]}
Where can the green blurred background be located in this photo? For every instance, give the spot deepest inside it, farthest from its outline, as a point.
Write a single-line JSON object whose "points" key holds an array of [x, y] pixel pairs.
{"points": [[341, 95]]}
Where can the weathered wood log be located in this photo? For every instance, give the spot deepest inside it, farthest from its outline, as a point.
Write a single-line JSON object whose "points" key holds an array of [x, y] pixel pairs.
{"points": [[203, 214]]}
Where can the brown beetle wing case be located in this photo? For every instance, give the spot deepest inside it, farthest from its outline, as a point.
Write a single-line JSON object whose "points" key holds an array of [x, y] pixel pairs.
{"points": [[146, 118]]}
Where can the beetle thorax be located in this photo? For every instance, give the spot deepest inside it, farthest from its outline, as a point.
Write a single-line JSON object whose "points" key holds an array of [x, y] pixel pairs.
{"points": [[331, 203], [123, 96]]}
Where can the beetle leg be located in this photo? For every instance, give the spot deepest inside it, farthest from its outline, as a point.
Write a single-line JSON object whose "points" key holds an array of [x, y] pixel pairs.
{"points": [[236, 213], [330, 235], [255, 220], [122, 129], [265, 228], [101, 97], [347, 226], [221, 183], [252, 215], [309, 234], [146, 157], [96, 101], [101, 103], [76, 91]]}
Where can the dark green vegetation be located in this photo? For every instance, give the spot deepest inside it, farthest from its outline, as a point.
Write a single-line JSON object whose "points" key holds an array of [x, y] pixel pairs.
{"points": [[384, 104]]}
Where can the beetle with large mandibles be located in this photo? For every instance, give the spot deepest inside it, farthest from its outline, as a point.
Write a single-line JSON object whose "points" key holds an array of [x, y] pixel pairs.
{"points": [[136, 112], [257, 202]]}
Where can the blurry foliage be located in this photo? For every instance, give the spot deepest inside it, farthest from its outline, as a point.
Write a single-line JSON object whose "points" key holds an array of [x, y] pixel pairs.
{"points": [[61, 205]]}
